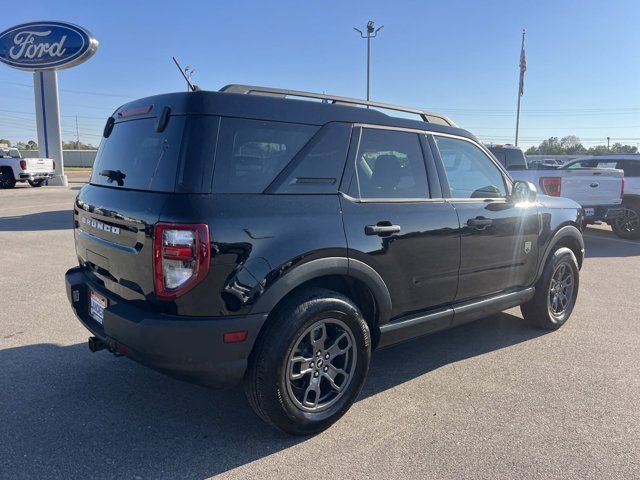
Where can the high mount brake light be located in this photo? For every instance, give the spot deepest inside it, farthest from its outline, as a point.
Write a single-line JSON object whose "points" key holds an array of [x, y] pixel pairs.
{"points": [[181, 256], [551, 186], [132, 112]]}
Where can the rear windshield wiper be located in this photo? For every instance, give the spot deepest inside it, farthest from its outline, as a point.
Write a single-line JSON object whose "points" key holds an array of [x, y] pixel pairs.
{"points": [[114, 176]]}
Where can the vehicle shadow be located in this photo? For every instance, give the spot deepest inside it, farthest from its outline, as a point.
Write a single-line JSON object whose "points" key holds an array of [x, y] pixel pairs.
{"points": [[599, 244], [55, 220], [84, 414]]}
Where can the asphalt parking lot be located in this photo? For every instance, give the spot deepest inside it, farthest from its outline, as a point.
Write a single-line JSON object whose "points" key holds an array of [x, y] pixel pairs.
{"points": [[493, 399]]}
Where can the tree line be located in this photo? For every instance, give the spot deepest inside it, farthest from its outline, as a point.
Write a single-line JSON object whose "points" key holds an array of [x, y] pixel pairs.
{"points": [[572, 145], [31, 145]]}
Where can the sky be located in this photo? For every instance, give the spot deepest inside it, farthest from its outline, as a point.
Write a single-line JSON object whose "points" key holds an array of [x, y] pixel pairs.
{"points": [[459, 58]]}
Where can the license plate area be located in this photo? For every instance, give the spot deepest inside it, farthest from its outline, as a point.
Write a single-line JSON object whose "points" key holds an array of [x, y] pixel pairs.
{"points": [[97, 304], [589, 212]]}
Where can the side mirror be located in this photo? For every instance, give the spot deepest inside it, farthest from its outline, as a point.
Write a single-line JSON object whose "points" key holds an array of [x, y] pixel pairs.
{"points": [[523, 191]]}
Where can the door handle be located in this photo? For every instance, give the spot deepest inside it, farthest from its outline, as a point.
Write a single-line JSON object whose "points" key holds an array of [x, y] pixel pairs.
{"points": [[479, 223], [385, 229]]}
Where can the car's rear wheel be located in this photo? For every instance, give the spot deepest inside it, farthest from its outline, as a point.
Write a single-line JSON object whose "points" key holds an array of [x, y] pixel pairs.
{"points": [[310, 362], [556, 292], [36, 183], [628, 224], [7, 180]]}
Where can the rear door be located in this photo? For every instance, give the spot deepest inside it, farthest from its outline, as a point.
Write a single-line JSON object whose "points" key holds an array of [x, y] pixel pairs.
{"points": [[133, 176], [499, 239], [396, 220]]}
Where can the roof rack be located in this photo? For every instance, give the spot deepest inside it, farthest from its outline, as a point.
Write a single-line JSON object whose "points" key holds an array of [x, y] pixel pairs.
{"points": [[430, 117]]}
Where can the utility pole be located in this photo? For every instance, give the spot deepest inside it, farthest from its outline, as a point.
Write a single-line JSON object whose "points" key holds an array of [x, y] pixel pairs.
{"points": [[77, 135], [371, 33], [523, 68], [608, 140]]}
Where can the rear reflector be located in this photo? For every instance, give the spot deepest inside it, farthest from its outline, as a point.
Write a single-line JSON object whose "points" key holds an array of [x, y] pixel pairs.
{"points": [[551, 186], [235, 337]]}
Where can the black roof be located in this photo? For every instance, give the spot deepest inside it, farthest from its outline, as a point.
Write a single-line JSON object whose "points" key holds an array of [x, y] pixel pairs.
{"points": [[266, 107]]}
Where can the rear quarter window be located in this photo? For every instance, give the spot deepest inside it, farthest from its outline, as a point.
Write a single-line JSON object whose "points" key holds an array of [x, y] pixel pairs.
{"points": [[251, 153]]}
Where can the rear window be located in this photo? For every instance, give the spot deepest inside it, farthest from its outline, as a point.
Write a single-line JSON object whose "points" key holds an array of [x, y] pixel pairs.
{"points": [[137, 157], [251, 153]]}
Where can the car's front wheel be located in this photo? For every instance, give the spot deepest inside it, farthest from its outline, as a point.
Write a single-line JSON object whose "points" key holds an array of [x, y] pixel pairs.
{"points": [[310, 362], [7, 180], [556, 291]]}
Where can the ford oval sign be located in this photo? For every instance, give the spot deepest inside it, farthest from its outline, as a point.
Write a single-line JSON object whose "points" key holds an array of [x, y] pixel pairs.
{"points": [[46, 46]]}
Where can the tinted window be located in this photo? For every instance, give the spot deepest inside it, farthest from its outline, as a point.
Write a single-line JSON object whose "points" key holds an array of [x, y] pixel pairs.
{"points": [[389, 164], [471, 173], [319, 165], [631, 168], [500, 156], [136, 156], [251, 153]]}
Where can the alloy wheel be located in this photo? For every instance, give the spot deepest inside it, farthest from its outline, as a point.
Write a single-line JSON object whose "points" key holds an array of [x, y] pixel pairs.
{"points": [[321, 365], [561, 290], [629, 221]]}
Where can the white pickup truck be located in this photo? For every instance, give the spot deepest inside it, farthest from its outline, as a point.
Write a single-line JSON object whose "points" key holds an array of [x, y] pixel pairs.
{"points": [[14, 168], [598, 190]]}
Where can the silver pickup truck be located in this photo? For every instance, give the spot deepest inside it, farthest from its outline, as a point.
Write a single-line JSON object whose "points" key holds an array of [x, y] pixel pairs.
{"points": [[14, 168], [598, 190]]}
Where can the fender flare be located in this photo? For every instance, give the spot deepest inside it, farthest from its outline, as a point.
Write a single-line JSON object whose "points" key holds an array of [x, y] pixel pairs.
{"points": [[328, 266], [568, 231]]}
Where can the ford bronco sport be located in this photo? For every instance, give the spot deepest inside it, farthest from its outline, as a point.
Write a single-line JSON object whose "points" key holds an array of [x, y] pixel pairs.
{"points": [[245, 235]]}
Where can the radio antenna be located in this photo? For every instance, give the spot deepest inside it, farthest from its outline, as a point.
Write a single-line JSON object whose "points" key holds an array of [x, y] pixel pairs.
{"points": [[190, 86]]}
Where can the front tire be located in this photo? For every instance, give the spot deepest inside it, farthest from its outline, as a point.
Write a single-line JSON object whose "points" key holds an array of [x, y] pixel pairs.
{"points": [[556, 292], [309, 363], [7, 180], [628, 225]]}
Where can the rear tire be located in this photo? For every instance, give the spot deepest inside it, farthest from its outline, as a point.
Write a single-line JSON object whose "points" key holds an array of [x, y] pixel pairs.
{"points": [[36, 183], [628, 225], [7, 180], [556, 292], [309, 363]]}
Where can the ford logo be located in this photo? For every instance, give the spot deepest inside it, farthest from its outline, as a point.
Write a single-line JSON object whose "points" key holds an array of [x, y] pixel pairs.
{"points": [[46, 46]]}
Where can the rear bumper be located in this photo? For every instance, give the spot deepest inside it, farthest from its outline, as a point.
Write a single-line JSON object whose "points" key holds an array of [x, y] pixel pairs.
{"points": [[603, 213], [187, 347], [36, 175]]}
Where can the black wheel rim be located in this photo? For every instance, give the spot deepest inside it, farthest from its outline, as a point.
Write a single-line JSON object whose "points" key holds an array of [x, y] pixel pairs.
{"points": [[4, 180], [629, 221], [321, 365], [561, 290]]}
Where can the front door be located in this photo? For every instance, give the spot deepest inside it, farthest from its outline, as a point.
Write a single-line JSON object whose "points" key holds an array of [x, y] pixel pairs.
{"points": [[393, 223], [499, 238]]}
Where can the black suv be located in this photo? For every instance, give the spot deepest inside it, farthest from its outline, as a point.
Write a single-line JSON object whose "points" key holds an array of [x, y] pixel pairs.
{"points": [[245, 235]]}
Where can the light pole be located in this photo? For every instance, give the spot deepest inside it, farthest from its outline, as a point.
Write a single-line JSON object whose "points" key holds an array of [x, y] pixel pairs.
{"points": [[608, 140], [371, 33]]}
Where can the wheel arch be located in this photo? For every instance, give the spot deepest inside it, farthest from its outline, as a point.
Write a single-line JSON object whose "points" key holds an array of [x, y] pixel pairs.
{"points": [[351, 278], [566, 236]]}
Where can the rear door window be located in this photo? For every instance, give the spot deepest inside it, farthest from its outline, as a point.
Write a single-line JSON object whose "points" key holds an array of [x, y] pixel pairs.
{"points": [[390, 165], [135, 156], [251, 153]]}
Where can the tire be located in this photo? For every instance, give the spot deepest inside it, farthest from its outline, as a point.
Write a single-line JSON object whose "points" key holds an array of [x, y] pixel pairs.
{"points": [[281, 384], [556, 292], [7, 180], [36, 183], [628, 226]]}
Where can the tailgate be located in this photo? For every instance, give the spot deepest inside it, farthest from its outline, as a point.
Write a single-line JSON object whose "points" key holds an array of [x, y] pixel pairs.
{"points": [[113, 234], [593, 187], [39, 164]]}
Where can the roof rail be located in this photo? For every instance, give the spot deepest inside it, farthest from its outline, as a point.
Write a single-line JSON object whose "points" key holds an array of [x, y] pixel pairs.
{"points": [[430, 117]]}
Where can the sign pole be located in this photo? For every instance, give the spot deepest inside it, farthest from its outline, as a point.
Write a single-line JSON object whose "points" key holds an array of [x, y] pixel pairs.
{"points": [[45, 85]]}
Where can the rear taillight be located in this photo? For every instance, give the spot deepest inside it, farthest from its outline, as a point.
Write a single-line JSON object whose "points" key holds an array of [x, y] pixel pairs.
{"points": [[180, 258], [23, 164], [551, 186], [54, 164]]}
